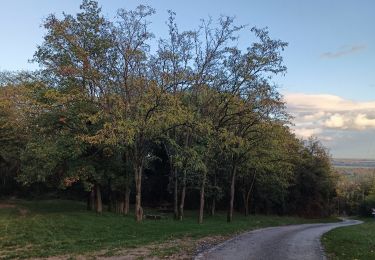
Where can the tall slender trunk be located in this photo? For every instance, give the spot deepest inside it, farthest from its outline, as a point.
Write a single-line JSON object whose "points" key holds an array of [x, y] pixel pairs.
{"points": [[175, 193], [92, 199], [183, 194], [121, 205], [213, 203], [201, 204], [88, 206], [173, 178], [115, 201], [127, 185], [183, 188], [111, 200], [232, 190], [127, 200], [243, 192], [119, 202], [247, 203], [247, 197], [98, 200], [138, 190], [213, 206]]}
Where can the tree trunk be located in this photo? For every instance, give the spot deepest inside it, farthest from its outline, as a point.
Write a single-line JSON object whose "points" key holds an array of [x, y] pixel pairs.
{"points": [[183, 193], [247, 200], [88, 206], [183, 190], [138, 191], [175, 193], [247, 197], [127, 199], [110, 196], [110, 200], [119, 202], [92, 199], [121, 205], [99, 205], [232, 190], [243, 193], [213, 204], [201, 207]]}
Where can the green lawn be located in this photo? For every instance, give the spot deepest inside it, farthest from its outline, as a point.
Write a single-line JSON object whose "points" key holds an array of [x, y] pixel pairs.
{"points": [[353, 242], [56, 227]]}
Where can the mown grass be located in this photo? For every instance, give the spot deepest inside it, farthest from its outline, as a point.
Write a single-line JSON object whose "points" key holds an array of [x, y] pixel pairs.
{"points": [[353, 242], [57, 227]]}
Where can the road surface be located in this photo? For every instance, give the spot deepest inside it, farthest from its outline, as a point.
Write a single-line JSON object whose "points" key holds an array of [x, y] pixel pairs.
{"points": [[293, 242]]}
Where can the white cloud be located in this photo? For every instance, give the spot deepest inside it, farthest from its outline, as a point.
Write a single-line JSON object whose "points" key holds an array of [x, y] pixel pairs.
{"points": [[330, 111], [307, 132], [326, 138], [325, 115], [335, 121], [324, 102], [362, 121], [315, 116]]}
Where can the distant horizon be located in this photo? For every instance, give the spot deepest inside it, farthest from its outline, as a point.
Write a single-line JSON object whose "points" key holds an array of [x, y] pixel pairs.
{"points": [[354, 159]]}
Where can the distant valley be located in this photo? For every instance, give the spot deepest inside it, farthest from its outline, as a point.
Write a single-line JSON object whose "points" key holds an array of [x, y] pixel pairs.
{"points": [[353, 167], [353, 163]]}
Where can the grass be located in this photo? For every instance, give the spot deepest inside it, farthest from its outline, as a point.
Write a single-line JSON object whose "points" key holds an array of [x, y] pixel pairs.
{"points": [[353, 242], [58, 227]]}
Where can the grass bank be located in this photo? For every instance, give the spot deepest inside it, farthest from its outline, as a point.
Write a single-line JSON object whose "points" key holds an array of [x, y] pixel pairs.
{"points": [[353, 242], [57, 227]]}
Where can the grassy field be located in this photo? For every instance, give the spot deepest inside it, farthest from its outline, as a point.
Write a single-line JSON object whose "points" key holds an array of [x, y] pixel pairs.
{"points": [[354, 242], [56, 227]]}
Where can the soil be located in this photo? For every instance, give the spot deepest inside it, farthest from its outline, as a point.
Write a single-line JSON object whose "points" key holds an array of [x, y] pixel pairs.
{"points": [[4, 205], [9, 205], [179, 249]]}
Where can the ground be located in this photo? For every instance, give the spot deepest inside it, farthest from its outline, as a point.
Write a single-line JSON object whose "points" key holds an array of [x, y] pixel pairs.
{"points": [[64, 229], [355, 242]]}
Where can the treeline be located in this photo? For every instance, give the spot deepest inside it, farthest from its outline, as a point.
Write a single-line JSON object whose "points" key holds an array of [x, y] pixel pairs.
{"points": [[187, 118], [355, 191]]}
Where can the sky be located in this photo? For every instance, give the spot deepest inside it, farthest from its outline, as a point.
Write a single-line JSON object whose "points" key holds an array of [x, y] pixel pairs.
{"points": [[330, 84]]}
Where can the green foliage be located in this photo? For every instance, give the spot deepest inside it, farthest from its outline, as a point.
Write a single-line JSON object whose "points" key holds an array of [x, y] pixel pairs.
{"points": [[355, 192], [314, 183]]}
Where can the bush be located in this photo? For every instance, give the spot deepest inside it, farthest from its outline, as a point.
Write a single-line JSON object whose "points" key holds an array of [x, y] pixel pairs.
{"points": [[367, 205]]}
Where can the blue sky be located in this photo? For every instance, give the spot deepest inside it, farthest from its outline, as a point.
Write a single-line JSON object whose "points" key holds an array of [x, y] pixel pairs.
{"points": [[331, 53]]}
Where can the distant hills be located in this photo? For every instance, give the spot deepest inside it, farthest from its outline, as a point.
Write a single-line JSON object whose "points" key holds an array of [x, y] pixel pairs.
{"points": [[353, 163]]}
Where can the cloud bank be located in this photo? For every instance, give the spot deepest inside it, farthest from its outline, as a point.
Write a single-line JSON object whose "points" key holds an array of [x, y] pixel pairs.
{"points": [[345, 126], [321, 114]]}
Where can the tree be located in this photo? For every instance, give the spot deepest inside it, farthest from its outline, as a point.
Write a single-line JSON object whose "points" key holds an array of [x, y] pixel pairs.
{"points": [[105, 111], [314, 183], [14, 89]]}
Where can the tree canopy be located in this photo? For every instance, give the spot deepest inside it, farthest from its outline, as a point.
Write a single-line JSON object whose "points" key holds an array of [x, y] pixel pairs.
{"points": [[198, 119]]}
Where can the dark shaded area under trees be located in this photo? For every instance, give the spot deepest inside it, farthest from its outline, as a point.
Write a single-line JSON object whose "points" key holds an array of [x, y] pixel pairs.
{"points": [[195, 124]]}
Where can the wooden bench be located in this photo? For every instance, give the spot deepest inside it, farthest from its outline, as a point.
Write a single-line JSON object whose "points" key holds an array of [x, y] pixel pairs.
{"points": [[154, 217]]}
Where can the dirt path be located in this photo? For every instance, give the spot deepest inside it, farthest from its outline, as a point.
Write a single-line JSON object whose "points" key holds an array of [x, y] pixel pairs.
{"points": [[6, 205], [10, 205], [287, 243]]}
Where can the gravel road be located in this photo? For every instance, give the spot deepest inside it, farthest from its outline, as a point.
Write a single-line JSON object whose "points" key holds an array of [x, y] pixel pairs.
{"points": [[276, 243]]}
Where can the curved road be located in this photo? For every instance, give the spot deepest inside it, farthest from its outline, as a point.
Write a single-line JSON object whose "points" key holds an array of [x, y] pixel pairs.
{"points": [[279, 243]]}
